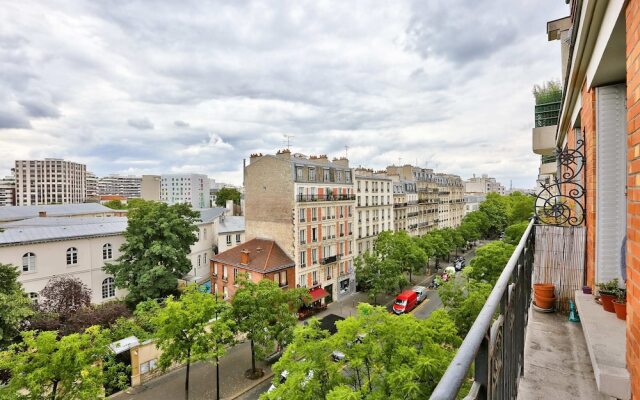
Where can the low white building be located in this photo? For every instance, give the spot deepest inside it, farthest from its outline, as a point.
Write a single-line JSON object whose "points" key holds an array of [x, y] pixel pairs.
{"points": [[44, 247], [230, 232], [205, 247]]}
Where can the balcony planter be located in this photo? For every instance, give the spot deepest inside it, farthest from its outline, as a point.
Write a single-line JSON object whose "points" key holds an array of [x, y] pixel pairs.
{"points": [[607, 301], [544, 289], [620, 309], [545, 303], [608, 292]]}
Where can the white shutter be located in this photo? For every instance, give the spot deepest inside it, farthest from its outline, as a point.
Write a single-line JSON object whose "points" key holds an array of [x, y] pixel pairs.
{"points": [[611, 162]]}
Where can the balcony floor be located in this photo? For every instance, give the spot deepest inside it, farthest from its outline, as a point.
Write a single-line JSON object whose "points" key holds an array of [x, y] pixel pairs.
{"points": [[557, 363]]}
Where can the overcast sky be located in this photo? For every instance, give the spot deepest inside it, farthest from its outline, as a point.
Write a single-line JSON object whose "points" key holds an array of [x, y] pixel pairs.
{"points": [[137, 87]]}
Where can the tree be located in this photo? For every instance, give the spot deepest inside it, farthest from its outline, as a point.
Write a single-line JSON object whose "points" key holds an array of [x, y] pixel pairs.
{"points": [[225, 194], [378, 275], [45, 366], [489, 261], [15, 307], [64, 295], [436, 242], [479, 222], [115, 205], [266, 313], [192, 328], [514, 232], [385, 356], [399, 247], [495, 209], [463, 298], [520, 207], [154, 256]]}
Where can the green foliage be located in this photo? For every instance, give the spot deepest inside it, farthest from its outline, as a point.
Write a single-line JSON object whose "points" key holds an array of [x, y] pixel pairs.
{"points": [[378, 275], [194, 327], [115, 205], [610, 287], [520, 207], [267, 314], [477, 221], [117, 375], [225, 194], [514, 232], [489, 261], [495, 207], [15, 307], [135, 203], [401, 249], [43, 366], [463, 298], [386, 356], [154, 256], [548, 92]]}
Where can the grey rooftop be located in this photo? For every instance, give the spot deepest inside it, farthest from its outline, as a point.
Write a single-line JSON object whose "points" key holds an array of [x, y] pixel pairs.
{"points": [[14, 213]]}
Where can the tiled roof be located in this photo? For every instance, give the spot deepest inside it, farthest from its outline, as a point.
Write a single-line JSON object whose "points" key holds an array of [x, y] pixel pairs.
{"points": [[264, 256], [231, 223], [12, 213], [207, 215], [106, 227]]}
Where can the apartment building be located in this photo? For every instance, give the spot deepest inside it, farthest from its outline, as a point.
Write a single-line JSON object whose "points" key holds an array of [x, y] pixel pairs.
{"points": [[482, 185], [405, 206], [231, 232], [7, 191], [185, 188], [92, 187], [451, 204], [306, 205], [128, 186], [374, 207], [150, 187], [50, 181], [472, 202]]}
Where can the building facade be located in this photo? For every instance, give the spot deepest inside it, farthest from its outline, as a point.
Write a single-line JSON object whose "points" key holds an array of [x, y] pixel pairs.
{"points": [[451, 204], [231, 232], [483, 185], [307, 206], [128, 186], [374, 207], [185, 188], [150, 187], [50, 181], [92, 187], [7, 191]]}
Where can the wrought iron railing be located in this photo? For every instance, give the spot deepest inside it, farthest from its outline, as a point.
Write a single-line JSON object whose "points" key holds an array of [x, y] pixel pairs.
{"points": [[494, 345], [325, 197]]}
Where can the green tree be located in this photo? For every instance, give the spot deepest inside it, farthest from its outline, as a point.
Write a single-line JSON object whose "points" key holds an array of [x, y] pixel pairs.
{"points": [[117, 375], [463, 298], [154, 256], [520, 207], [385, 356], [514, 232], [192, 328], [15, 307], [267, 314], [440, 247], [43, 366], [377, 275], [225, 194], [495, 208], [489, 261], [115, 205], [400, 248], [479, 222]]}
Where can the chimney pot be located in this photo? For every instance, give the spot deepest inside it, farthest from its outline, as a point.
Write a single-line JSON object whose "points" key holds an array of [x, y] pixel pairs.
{"points": [[244, 257], [42, 213]]}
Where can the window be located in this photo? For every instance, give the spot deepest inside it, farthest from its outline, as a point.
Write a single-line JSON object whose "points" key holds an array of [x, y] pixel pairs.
{"points": [[204, 258], [301, 282], [225, 293], [205, 233], [312, 174], [148, 366], [314, 256], [228, 240], [327, 175], [314, 214], [199, 263], [314, 234], [108, 288], [224, 273], [303, 213], [299, 173], [328, 272], [237, 238], [303, 235], [33, 296], [339, 176], [72, 256], [235, 275], [314, 274], [303, 258], [107, 252], [347, 175]]}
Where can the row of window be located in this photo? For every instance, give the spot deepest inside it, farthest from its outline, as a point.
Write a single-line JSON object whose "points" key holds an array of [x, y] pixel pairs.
{"points": [[337, 176], [328, 232], [238, 239], [375, 186], [327, 251], [326, 212], [29, 259], [374, 201], [108, 290]]}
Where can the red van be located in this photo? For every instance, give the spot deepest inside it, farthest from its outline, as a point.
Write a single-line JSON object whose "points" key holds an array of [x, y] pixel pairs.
{"points": [[405, 302]]}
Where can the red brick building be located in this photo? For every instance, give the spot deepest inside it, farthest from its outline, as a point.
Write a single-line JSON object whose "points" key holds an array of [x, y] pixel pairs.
{"points": [[259, 258]]}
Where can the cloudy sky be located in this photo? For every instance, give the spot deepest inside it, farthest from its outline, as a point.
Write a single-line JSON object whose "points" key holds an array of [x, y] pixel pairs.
{"points": [[138, 87]]}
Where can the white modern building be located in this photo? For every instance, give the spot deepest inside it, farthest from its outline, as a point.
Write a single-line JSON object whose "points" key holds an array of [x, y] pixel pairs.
{"points": [[7, 191], [128, 186], [92, 186], [483, 185], [472, 202], [185, 188], [50, 181]]}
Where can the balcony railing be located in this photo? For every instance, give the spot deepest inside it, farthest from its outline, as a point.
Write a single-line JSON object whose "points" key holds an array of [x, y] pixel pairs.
{"points": [[495, 346], [325, 197], [329, 260]]}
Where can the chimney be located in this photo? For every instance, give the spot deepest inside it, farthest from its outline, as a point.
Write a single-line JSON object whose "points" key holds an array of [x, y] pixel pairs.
{"points": [[244, 257], [42, 213]]}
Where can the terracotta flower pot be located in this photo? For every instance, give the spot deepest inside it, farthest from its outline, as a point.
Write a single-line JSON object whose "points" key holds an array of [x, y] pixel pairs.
{"points": [[607, 302], [544, 289], [545, 302], [621, 310]]}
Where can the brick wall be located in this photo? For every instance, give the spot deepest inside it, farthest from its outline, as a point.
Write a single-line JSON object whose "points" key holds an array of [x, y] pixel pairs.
{"points": [[588, 120], [633, 195]]}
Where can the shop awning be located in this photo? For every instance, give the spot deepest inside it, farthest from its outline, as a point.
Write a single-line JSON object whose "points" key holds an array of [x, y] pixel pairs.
{"points": [[318, 293]]}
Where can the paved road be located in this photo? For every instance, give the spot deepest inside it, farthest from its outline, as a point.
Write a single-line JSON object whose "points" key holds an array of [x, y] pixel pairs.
{"points": [[254, 394]]}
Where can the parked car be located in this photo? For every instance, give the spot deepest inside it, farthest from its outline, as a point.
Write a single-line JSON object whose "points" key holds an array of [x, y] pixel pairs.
{"points": [[337, 355], [421, 291], [283, 379], [405, 302]]}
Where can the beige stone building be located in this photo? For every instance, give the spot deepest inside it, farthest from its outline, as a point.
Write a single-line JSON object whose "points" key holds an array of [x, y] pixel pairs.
{"points": [[374, 207], [451, 205], [426, 188], [150, 187], [306, 205], [482, 185], [50, 181]]}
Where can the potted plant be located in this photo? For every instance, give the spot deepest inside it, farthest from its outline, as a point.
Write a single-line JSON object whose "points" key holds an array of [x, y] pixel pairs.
{"points": [[608, 291], [620, 304]]}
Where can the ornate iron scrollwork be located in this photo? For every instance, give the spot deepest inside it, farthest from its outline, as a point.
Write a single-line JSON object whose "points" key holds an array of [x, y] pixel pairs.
{"points": [[562, 202]]}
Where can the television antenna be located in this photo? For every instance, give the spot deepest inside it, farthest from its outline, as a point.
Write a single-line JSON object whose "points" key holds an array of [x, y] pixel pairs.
{"points": [[289, 137], [346, 151]]}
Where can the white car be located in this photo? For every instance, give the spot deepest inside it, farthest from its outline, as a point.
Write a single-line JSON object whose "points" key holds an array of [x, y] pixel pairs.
{"points": [[421, 291], [283, 379]]}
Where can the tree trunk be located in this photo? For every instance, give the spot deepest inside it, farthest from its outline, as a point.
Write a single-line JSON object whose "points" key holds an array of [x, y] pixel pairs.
{"points": [[186, 381], [217, 377], [253, 359], [54, 389]]}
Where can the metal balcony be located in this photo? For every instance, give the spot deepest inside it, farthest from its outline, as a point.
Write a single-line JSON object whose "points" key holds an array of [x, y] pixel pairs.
{"points": [[325, 197]]}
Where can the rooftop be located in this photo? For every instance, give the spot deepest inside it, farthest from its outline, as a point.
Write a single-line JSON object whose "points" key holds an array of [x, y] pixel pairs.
{"points": [[231, 223], [60, 221], [207, 215], [13, 213], [37, 234], [264, 256]]}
